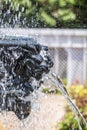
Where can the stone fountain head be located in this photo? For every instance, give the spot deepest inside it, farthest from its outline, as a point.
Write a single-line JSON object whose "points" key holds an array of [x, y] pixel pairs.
{"points": [[22, 61]]}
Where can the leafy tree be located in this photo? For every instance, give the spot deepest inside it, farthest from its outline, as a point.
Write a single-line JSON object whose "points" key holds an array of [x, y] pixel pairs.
{"points": [[44, 13]]}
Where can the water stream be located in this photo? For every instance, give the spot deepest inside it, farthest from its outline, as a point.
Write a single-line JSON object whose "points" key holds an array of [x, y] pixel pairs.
{"points": [[22, 67], [59, 85]]}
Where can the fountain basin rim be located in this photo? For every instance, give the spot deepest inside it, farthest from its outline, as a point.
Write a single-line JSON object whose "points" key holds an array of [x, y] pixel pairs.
{"points": [[17, 41]]}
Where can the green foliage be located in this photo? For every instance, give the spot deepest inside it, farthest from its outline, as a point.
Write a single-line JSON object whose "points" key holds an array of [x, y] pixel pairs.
{"points": [[79, 93], [66, 14], [46, 13], [64, 81], [70, 123], [50, 91], [48, 19]]}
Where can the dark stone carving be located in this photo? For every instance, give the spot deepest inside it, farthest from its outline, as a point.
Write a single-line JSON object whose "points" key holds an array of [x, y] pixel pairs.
{"points": [[19, 65]]}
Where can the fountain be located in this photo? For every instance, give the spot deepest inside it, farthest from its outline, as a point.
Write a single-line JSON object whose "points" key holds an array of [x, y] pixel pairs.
{"points": [[23, 64], [22, 67]]}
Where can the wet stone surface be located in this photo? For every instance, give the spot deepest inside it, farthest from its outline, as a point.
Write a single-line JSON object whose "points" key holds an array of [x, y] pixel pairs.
{"points": [[20, 66]]}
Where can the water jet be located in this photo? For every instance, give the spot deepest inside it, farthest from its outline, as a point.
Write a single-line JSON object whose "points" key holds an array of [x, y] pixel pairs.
{"points": [[23, 65]]}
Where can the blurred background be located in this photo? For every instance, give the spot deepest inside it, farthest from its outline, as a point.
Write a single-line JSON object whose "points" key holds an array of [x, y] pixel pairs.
{"points": [[52, 21], [62, 26], [44, 13]]}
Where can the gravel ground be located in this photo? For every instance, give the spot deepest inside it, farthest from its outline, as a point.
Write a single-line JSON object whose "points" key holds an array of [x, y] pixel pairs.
{"points": [[49, 110]]}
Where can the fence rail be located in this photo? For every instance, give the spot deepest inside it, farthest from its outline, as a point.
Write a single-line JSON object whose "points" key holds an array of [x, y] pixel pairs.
{"points": [[68, 49]]}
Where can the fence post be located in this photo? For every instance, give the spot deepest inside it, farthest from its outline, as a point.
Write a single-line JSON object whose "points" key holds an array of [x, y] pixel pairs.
{"points": [[85, 61], [56, 59], [69, 63]]}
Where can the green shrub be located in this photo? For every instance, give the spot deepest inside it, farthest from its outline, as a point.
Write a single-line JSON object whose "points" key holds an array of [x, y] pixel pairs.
{"points": [[47, 90], [70, 123], [79, 94]]}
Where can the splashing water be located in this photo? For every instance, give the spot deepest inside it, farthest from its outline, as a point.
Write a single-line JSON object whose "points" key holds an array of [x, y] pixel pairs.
{"points": [[10, 16], [59, 85], [23, 63], [22, 67], [13, 14]]}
